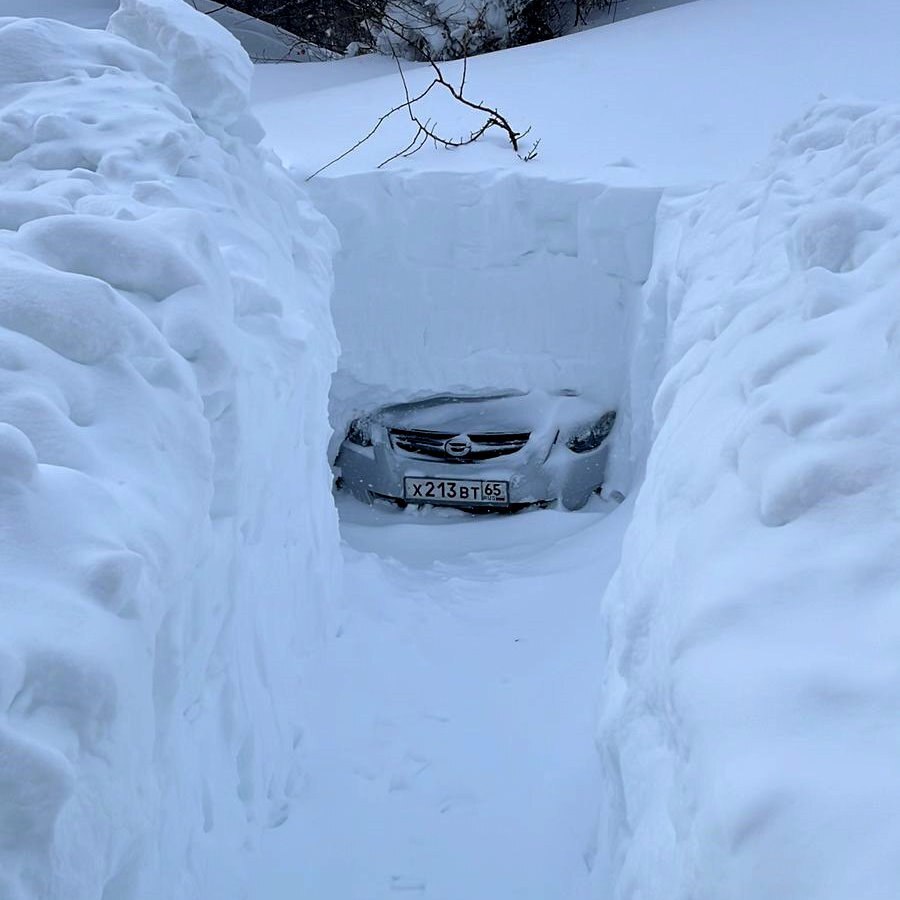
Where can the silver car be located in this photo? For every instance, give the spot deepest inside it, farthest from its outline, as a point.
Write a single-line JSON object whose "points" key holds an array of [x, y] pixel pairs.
{"points": [[496, 451]]}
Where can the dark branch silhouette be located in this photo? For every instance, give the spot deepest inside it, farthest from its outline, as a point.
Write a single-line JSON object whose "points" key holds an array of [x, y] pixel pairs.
{"points": [[427, 129]]}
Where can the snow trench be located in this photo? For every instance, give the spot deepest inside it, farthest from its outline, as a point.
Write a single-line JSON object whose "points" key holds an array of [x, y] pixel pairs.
{"points": [[474, 282], [169, 541], [170, 547], [747, 727]]}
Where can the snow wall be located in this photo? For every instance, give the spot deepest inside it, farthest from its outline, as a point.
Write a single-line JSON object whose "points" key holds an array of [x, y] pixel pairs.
{"points": [[169, 541], [483, 281], [750, 722]]}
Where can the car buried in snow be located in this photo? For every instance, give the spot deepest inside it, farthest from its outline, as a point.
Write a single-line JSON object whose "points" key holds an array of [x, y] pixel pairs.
{"points": [[497, 451]]}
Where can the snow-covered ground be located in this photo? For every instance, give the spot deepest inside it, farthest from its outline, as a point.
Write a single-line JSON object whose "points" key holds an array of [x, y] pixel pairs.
{"points": [[686, 95], [449, 750], [692, 695]]}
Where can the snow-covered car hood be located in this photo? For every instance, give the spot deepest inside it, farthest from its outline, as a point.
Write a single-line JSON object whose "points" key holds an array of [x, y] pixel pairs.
{"points": [[505, 411]]}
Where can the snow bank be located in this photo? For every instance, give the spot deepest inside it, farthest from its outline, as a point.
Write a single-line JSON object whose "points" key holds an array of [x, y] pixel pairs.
{"points": [[474, 282], [205, 65], [169, 543], [750, 719]]}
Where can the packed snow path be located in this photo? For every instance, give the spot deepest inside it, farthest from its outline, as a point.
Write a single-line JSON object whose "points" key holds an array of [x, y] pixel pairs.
{"points": [[450, 750]]}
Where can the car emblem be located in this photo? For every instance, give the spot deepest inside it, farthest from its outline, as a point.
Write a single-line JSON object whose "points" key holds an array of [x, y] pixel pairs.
{"points": [[458, 446]]}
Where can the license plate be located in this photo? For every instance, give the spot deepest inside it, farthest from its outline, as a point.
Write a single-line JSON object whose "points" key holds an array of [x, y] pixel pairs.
{"points": [[454, 490]]}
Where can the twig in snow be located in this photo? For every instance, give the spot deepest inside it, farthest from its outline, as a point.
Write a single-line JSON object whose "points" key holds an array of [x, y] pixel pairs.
{"points": [[428, 129]]}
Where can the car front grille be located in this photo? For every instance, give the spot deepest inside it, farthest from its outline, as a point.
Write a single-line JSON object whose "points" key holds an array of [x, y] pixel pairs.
{"points": [[433, 445]]}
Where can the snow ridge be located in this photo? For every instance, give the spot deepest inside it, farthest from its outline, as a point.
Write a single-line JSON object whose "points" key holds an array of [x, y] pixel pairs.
{"points": [[749, 720], [165, 353]]}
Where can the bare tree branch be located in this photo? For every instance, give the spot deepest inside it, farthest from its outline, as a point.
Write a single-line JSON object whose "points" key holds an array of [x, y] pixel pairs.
{"points": [[407, 103], [426, 129]]}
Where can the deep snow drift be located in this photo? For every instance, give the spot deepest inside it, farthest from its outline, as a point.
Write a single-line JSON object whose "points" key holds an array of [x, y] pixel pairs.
{"points": [[750, 709], [169, 542]]}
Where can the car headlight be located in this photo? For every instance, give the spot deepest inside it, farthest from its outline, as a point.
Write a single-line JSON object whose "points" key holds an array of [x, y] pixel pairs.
{"points": [[591, 436], [360, 433]]}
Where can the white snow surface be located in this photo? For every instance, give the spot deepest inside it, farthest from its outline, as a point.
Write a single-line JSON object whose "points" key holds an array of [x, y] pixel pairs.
{"points": [[750, 725], [84, 13], [170, 546], [487, 719], [679, 96], [450, 748]]}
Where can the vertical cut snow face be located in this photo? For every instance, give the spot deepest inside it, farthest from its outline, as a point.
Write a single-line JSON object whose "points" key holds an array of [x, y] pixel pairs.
{"points": [[455, 282], [169, 542], [751, 704]]}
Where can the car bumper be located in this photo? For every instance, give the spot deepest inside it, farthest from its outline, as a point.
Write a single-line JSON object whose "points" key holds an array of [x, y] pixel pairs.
{"points": [[534, 475]]}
